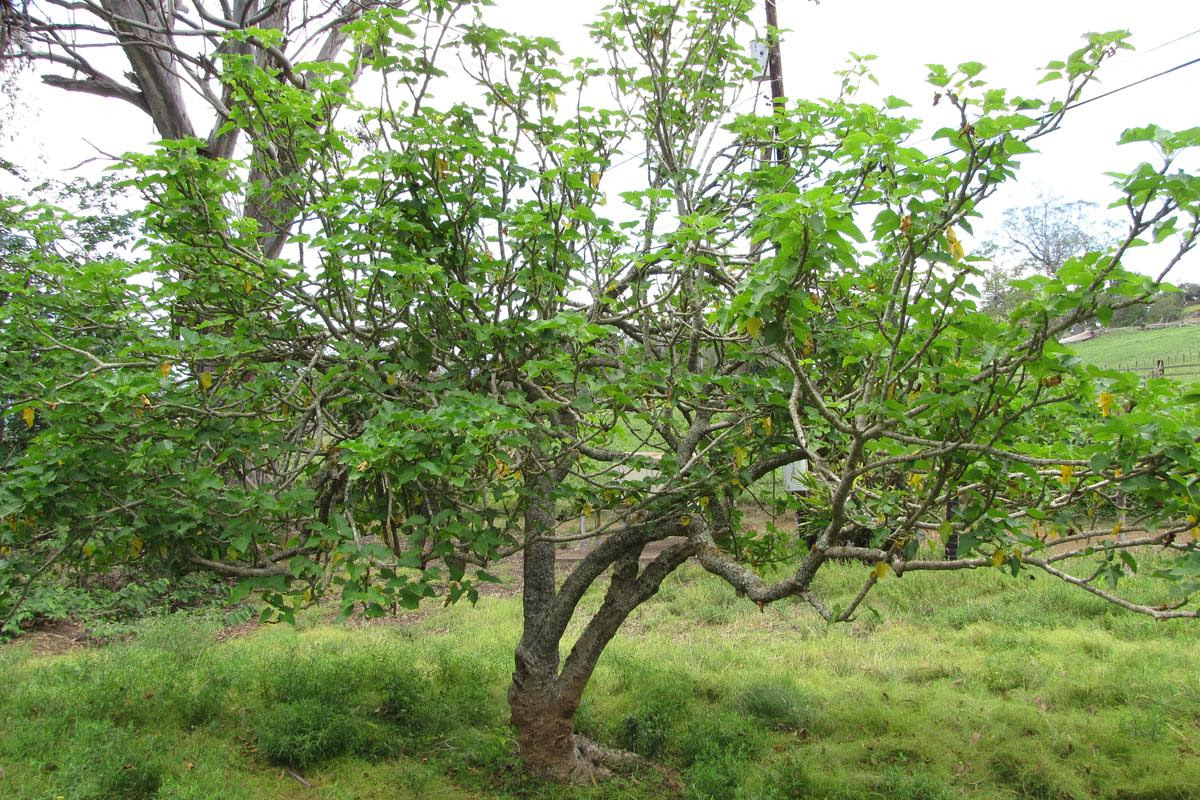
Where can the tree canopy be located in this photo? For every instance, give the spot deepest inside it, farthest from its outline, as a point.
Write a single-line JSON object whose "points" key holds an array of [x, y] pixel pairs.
{"points": [[372, 347]]}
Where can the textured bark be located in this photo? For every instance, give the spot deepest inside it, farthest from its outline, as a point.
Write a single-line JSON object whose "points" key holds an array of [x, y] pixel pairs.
{"points": [[544, 721], [542, 698]]}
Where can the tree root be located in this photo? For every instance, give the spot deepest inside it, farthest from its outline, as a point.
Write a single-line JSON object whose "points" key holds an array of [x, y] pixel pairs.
{"points": [[594, 762]]}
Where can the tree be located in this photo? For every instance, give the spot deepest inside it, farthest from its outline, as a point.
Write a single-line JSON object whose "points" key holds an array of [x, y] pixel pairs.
{"points": [[169, 55], [1046, 234], [445, 363], [1039, 238], [999, 297], [1166, 307]]}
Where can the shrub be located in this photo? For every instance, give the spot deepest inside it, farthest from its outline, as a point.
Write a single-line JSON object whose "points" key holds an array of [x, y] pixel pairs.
{"points": [[109, 762], [716, 777], [304, 733], [777, 703], [411, 701]]}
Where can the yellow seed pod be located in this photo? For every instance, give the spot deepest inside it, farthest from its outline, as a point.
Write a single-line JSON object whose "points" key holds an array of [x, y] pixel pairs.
{"points": [[740, 454], [956, 248]]}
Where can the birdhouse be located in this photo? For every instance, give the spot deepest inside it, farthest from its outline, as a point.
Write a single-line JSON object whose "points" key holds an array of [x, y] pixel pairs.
{"points": [[793, 476], [760, 53]]}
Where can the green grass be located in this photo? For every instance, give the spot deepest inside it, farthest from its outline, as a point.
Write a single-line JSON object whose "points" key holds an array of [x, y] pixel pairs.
{"points": [[971, 685], [1130, 346]]}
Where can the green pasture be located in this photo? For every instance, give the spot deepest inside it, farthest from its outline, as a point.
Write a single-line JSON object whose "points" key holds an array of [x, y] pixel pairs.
{"points": [[1127, 348], [957, 685]]}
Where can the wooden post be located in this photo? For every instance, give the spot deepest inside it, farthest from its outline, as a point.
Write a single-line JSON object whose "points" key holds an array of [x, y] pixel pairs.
{"points": [[775, 69]]}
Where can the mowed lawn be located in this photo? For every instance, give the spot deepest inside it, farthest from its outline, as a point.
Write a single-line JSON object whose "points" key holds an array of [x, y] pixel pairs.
{"points": [[1128, 347], [972, 685]]}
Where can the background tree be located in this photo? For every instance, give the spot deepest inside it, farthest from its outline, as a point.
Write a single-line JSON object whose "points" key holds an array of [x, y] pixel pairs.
{"points": [[162, 57], [1039, 238], [1166, 307], [1046, 234], [449, 364], [999, 297]]}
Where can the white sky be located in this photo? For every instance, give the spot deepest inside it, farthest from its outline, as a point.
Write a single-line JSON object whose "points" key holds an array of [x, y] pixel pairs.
{"points": [[1012, 37]]}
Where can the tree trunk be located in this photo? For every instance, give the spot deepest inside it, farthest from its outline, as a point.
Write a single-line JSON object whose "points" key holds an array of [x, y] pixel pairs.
{"points": [[543, 699], [545, 723]]}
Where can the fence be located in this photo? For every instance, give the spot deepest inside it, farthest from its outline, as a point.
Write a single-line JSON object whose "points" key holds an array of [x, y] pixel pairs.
{"points": [[1177, 365]]}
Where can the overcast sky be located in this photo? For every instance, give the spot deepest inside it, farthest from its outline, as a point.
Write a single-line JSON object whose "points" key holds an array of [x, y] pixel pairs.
{"points": [[56, 130]]}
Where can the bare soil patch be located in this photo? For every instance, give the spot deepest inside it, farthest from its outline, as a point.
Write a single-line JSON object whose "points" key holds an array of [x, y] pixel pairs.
{"points": [[56, 638]]}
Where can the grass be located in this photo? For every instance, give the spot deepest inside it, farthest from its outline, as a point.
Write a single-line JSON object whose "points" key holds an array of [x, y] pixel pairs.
{"points": [[1128, 347], [965, 685]]}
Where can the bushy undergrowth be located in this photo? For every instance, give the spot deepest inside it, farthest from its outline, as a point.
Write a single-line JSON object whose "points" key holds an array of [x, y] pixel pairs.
{"points": [[108, 606], [1010, 689]]}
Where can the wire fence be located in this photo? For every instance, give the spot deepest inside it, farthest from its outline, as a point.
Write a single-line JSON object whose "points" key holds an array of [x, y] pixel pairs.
{"points": [[1176, 365]]}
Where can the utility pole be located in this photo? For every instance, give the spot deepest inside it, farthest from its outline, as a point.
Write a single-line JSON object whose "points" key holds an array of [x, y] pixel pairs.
{"points": [[775, 69]]}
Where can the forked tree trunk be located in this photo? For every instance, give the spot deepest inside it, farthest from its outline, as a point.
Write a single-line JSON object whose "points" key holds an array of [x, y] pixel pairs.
{"points": [[543, 698], [545, 693]]}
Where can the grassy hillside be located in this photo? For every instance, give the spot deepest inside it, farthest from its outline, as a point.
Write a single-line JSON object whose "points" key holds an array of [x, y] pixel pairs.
{"points": [[1015, 688], [1129, 347]]}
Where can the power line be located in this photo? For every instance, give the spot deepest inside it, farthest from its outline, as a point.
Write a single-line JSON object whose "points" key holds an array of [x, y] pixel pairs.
{"points": [[1141, 53], [1109, 93], [1136, 83]]}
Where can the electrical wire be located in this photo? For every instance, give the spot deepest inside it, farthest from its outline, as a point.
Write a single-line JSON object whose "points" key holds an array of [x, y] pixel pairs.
{"points": [[1148, 78], [1141, 53], [1109, 93]]}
